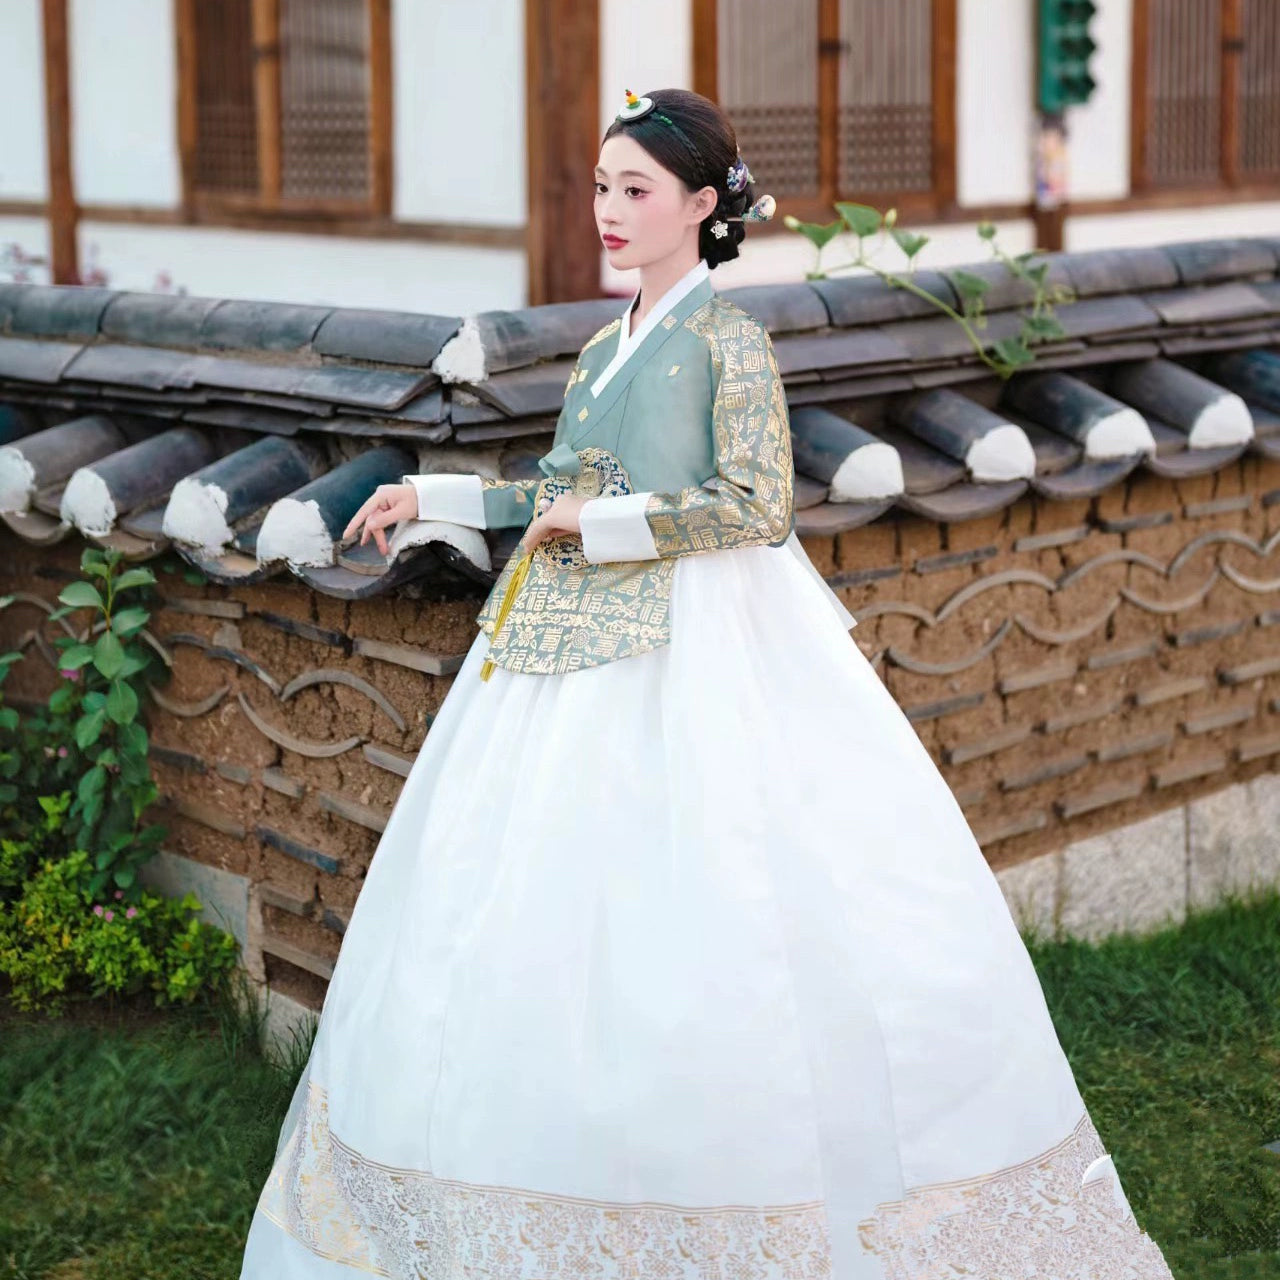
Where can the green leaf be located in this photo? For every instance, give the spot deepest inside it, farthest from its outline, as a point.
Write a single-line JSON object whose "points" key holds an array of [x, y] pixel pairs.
{"points": [[909, 243], [124, 877], [1044, 326], [81, 595], [969, 285], [126, 621], [817, 234], [861, 219], [75, 656], [108, 654], [133, 739], [103, 858], [122, 702], [987, 230], [89, 729], [135, 578], [1012, 351], [91, 784]]}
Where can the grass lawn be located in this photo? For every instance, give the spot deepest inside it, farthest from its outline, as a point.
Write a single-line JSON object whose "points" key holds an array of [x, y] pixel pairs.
{"points": [[134, 1142]]}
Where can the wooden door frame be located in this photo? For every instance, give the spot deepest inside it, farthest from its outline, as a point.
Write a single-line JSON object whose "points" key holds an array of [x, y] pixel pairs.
{"points": [[562, 144], [63, 215]]}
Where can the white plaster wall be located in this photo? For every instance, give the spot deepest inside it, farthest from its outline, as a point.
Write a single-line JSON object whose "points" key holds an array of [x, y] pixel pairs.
{"points": [[1166, 226], [458, 89], [995, 89], [124, 110], [642, 47], [1098, 130], [287, 267], [31, 236], [23, 173]]}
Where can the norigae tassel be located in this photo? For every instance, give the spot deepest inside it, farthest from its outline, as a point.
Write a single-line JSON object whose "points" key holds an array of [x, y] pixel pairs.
{"points": [[514, 583]]}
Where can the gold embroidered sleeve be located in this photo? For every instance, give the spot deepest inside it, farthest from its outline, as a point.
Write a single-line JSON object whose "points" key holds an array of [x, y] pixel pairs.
{"points": [[750, 498]]}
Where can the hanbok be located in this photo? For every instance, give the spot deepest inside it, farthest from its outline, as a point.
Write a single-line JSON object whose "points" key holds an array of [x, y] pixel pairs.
{"points": [[686, 965]]}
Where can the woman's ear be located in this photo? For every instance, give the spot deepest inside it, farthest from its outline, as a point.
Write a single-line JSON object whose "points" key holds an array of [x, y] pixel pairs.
{"points": [[706, 201]]}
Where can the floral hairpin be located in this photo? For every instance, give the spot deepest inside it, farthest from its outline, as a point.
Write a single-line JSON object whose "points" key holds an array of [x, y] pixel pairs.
{"points": [[761, 211]]}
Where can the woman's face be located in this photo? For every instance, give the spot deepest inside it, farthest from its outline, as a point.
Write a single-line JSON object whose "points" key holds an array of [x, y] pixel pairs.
{"points": [[644, 206]]}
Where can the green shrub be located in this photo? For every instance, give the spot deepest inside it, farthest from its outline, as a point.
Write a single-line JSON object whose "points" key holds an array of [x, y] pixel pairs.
{"points": [[54, 940]]}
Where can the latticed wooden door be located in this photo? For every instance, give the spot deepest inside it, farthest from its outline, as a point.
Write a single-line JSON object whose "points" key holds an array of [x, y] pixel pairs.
{"points": [[1206, 93], [286, 104], [836, 99]]}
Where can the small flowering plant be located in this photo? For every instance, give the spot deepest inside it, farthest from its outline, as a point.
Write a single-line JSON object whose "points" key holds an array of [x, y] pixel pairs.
{"points": [[56, 941], [1004, 356]]}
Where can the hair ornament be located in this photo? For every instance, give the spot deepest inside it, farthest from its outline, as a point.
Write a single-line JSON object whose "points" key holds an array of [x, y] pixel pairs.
{"points": [[761, 211], [739, 175], [635, 107]]}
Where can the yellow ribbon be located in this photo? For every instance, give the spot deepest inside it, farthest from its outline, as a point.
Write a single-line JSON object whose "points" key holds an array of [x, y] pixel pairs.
{"points": [[514, 583]]}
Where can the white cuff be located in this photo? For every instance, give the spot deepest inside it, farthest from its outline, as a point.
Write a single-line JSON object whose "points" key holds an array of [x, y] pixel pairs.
{"points": [[616, 529], [456, 497]]}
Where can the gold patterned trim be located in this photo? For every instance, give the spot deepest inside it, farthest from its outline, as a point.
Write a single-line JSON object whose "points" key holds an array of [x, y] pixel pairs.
{"points": [[1062, 1212], [1059, 1214], [406, 1222]]}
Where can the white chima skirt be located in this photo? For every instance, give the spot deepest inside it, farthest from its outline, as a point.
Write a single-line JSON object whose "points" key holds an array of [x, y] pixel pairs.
{"points": [[688, 967]]}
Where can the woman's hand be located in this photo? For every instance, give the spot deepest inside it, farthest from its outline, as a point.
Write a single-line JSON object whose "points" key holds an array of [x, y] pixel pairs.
{"points": [[562, 516], [389, 504]]}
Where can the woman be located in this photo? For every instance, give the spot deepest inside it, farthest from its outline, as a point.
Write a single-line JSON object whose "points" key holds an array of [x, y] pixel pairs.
{"points": [[677, 957]]}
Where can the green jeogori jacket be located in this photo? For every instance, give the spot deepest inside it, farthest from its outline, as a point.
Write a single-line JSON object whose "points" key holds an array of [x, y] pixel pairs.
{"points": [[681, 436]]}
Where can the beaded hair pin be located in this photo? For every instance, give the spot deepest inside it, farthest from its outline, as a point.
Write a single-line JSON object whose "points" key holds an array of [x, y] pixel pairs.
{"points": [[738, 175]]}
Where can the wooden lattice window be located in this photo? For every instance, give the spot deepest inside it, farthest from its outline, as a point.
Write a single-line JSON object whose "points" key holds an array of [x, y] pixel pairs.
{"points": [[836, 99], [1206, 93], [285, 105]]}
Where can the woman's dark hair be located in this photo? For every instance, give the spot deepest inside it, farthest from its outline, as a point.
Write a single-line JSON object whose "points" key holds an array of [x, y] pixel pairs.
{"points": [[706, 164]]}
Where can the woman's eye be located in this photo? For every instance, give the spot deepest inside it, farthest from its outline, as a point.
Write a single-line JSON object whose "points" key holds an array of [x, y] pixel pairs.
{"points": [[600, 189]]}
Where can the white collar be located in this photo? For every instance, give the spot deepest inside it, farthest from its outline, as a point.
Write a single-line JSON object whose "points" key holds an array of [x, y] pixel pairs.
{"points": [[628, 342]]}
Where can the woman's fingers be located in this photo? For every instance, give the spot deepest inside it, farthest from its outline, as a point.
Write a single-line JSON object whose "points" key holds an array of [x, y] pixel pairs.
{"points": [[388, 504]]}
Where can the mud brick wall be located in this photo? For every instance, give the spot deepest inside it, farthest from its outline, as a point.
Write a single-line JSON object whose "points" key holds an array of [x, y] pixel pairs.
{"points": [[281, 740], [1076, 666], [1071, 667]]}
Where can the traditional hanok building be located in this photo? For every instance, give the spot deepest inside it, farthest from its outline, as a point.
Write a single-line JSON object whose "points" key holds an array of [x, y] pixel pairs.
{"points": [[437, 155], [1070, 581]]}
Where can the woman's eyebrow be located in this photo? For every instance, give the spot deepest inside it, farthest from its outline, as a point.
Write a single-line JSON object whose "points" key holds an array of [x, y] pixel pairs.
{"points": [[626, 173]]}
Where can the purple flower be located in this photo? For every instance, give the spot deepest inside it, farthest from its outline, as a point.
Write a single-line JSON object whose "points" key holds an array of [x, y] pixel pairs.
{"points": [[110, 915], [69, 674], [62, 751], [119, 893], [133, 911], [97, 911]]}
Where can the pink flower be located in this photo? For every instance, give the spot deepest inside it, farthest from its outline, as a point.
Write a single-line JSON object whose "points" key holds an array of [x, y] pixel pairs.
{"points": [[110, 915], [97, 911], [69, 674], [119, 893], [62, 751], [133, 911]]}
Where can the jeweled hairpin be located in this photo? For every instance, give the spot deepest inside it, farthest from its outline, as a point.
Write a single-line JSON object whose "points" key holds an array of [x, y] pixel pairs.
{"points": [[761, 211], [636, 107]]}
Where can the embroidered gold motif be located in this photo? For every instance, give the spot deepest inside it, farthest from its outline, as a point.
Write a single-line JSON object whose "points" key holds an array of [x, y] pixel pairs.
{"points": [[582, 375], [675, 368], [753, 501], [669, 322], [1040, 1217], [582, 413], [569, 613], [393, 1221], [601, 334]]}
